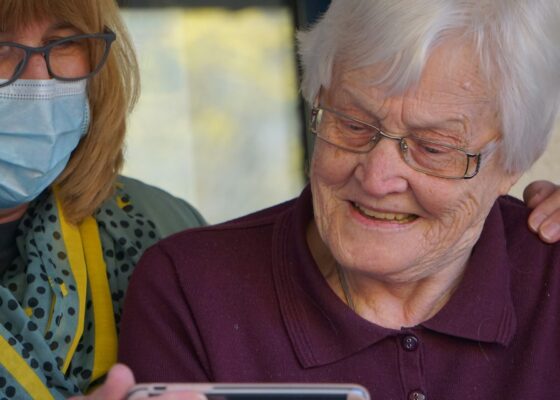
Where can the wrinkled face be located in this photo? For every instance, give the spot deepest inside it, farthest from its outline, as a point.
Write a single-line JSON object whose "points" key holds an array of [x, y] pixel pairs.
{"points": [[377, 215]]}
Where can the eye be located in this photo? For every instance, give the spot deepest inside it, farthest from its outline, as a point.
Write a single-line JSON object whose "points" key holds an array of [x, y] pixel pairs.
{"points": [[4, 50], [432, 149], [62, 33], [70, 47], [10, 56], [354, 126]]}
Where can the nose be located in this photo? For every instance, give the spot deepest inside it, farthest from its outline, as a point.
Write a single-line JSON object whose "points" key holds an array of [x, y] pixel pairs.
{"points": [[36, 68], [383, 171]]}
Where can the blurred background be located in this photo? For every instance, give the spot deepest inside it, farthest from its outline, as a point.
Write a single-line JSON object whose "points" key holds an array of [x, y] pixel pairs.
{"points": [[220, 121]]}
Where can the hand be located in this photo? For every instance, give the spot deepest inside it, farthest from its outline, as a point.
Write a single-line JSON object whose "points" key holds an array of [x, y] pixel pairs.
{"points": [[120, 380], [544, 197]]}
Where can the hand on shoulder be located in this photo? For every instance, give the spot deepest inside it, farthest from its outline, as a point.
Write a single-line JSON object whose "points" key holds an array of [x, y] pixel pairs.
{"points": [[544, 197]]}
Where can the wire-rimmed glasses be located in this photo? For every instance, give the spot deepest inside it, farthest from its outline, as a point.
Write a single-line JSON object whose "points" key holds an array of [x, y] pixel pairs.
{"points": [[426, 156], [61, 56]]}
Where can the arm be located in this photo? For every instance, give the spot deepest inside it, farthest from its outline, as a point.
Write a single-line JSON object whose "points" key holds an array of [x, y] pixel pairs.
{"points": [[544, 197]]}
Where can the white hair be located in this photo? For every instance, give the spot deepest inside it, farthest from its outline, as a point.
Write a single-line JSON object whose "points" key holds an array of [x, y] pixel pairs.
{"points": [[517, 41]]}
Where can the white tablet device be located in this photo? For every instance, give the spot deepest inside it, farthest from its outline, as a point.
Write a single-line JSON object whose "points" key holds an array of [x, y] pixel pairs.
{"points": [[256, 391]]}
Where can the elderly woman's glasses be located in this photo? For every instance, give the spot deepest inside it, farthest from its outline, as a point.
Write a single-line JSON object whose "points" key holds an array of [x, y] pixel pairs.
{"points": [[432, 158], [61, 56]]}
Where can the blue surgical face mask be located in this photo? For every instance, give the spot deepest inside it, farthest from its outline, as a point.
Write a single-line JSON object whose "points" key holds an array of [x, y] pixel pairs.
{"points": [[41, 123]]}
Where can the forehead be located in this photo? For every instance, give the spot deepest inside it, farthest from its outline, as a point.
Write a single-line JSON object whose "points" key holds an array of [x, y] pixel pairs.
{"points": [[452, 93], [16, 15], [451, 76]]}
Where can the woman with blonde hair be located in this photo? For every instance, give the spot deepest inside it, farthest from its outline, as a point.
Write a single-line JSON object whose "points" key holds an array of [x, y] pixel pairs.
{"points": [[71, 228]]}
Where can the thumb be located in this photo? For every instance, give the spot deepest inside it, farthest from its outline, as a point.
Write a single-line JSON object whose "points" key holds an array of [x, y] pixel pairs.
{"points": [[118, 382]]}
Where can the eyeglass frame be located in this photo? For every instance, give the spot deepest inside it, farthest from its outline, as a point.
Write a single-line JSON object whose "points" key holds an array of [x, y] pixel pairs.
{"points": [[108, 35], [403, 146]]}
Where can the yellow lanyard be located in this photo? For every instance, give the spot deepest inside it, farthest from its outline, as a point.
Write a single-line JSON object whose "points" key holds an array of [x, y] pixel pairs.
{"points": [[85, 254]]}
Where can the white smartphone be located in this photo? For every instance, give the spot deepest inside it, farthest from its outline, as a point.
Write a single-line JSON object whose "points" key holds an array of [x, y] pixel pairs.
{"points": [[256, 391]]}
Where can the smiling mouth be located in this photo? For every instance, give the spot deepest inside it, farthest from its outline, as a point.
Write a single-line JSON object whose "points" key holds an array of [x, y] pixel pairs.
{"points": [[385, 216]]}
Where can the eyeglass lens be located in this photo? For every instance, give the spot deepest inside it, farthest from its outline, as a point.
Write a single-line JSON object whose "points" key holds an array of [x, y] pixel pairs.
{"points": [[71, 58]]}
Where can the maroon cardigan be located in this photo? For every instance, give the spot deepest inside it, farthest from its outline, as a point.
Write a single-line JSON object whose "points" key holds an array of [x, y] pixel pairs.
{"points": [[244, 301]]}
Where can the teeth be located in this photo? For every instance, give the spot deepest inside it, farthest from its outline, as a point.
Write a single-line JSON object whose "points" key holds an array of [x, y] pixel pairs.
{"points": [[386, 216]]}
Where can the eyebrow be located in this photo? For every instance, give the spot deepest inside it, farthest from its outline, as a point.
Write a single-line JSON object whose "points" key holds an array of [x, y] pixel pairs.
{"points": [[422, 121], [6, 36], [62, 25], [352, 102], [427, 120], [457, 128]]}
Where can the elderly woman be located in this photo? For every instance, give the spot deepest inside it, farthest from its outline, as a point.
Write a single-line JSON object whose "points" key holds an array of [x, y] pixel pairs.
{"points": [[403, 266], [71, 230]]}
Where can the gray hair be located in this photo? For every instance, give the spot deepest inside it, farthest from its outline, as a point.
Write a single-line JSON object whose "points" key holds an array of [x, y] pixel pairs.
{"points": [[517, 41]]}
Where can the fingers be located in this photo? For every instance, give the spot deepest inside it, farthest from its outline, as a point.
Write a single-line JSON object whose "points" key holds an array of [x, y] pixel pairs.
{"points": [[119, 381], [549, 229], [544, 220], [538, 191]]}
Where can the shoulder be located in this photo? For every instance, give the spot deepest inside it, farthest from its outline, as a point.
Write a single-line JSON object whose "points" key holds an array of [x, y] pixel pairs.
{"points": [[240, 241], [534, 274], [515, 215], [514, 211], [254, 224], [169, 213], [524, 247], [228, 259]]}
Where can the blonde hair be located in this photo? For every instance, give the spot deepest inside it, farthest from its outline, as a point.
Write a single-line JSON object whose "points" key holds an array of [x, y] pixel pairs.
{"points": [[90, 175], [518, 45]]}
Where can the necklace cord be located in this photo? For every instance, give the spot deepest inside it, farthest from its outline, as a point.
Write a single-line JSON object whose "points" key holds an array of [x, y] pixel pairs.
{"points": [[345, 289]]}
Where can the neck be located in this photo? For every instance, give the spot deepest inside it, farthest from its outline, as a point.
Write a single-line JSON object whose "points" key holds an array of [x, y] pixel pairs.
{"points": [[391, 302], [12, 214], [395, 305]]}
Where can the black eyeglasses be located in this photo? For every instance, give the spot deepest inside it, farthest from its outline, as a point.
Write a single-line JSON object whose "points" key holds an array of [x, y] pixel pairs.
{"points": [[432, 158], [68, 59]]}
